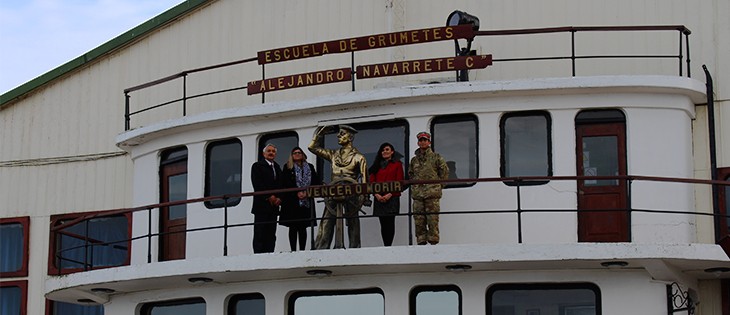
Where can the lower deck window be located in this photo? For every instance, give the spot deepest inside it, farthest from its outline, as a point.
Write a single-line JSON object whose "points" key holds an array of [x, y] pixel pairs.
{"points": [[435, 300], [194, 306], [13, 296], [350, 302], [62, 308], [247, 304], [538, 299], [90, 244]]}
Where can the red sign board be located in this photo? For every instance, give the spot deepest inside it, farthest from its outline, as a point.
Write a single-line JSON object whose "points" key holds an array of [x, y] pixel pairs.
{"points": [[423, 66], [299, 80], [365, 43]]}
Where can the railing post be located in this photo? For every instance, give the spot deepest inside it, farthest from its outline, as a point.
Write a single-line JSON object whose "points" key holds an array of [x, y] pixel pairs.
{"points": [[519, 211], [352, 69], [679, 56], [149, 235], [126, 111], [410, 218], [686, 46], [629, 207], [572, 49], [225, 226]]}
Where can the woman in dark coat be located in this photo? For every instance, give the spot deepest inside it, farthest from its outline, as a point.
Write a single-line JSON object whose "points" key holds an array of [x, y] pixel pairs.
{"points": [[386, 167], [297, 209]]}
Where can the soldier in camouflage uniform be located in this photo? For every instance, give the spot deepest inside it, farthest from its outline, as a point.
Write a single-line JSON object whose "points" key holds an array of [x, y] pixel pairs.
{"points": [[427, 165]]}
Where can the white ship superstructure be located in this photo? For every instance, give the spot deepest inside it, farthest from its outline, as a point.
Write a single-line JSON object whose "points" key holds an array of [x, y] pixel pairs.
{"points": [[587, 154]]}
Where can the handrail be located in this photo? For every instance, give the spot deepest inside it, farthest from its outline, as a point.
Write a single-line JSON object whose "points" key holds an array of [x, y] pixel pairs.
{"points": [[530, 31], [58, 229]]}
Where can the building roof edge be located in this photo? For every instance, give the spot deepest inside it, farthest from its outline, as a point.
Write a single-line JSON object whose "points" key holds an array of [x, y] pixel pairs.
{"points": [[115, 43]]}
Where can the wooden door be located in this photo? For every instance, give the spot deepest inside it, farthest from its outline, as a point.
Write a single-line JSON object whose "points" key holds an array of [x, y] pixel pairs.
{"points": [[173, 219], [601, 151]]}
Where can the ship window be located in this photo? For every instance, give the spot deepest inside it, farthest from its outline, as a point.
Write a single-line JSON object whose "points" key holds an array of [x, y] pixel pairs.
{"points": [[13, 295], [247, 304], [223, 172], [194, 306], [63, 308], [435, 300], [14, 247], [284, 142], [544, 298], [93, 243], [459, 146], [525, 141], [351, 302], [369, 137]]}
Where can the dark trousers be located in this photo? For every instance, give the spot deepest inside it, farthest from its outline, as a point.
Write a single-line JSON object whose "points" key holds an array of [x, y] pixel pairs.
{"points": [[387, 229], [264, 233], [297, 232]]}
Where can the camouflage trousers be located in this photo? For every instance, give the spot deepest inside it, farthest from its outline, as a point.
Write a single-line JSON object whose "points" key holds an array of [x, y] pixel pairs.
{"points": [[426, 218]]}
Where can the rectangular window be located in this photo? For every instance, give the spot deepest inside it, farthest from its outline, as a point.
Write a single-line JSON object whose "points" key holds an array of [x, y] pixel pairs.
{"points": [[194, 306], [63, 308], [247, 304], [435, 300], [284, 143], [13, 297], [94, 243], [369, 137], [544, 298], [351, 302], [526, 145], [223, 172], [458, 145], [14, 247]]}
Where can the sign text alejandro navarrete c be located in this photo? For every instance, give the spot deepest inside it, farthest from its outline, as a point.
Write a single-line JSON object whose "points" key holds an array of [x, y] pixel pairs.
{"points": [[372, 70]]}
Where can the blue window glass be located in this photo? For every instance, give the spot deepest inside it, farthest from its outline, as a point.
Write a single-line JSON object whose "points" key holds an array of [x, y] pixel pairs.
{"points": [[94, 243], [62, 308], [11, 247], [11, 298]]}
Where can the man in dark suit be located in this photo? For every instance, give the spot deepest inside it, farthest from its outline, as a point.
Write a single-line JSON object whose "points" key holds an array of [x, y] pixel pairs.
{"points": [[265, 175]]}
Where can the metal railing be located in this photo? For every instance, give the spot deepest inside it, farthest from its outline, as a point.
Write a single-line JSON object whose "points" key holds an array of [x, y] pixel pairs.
{"points": [[683, 56], [516, 183]]}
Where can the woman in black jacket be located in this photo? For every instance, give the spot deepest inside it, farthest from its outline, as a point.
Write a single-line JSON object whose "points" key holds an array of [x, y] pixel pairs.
{"points": [[297, 210]]}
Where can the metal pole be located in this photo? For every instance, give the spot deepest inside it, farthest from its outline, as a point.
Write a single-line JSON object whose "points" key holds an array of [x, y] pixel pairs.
{"points": [[519, 212], [572, 49], [149, 235], [713, 153], [126, 111], [225, 226], [352, 69]]}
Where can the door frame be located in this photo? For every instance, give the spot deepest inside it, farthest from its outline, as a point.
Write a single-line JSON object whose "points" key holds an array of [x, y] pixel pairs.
{"points": [[596, 123], [171, 246]]}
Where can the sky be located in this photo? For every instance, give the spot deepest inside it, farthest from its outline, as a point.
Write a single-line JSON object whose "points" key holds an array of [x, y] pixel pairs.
{"points": [[37, 36]]}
